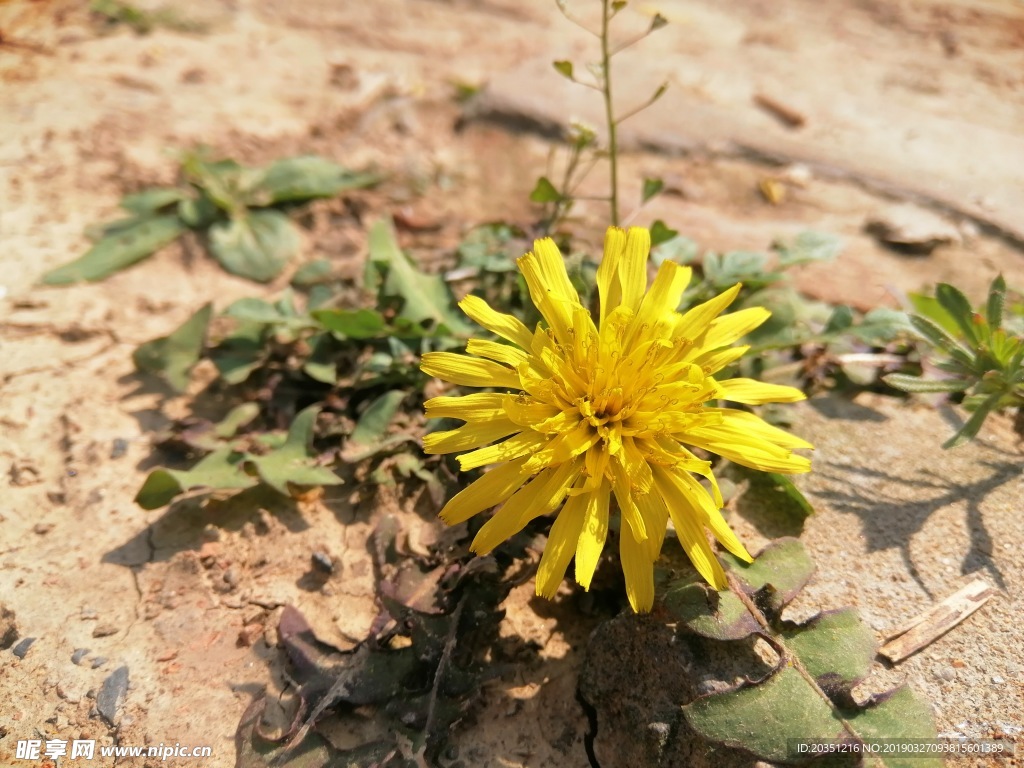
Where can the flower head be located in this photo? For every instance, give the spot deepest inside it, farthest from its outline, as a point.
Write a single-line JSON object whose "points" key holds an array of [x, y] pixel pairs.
{"points": [[589, 412]]}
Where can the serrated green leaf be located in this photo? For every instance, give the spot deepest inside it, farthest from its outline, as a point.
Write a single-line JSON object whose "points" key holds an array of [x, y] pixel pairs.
{"points": [[766, 717], [221, 470], [970, 430], [727, 269], [256, 246], [898, 714], [651, 188], [351, 324], [545, 192], [661, 233], [294, 461], [834, 647], [173, 356], [907, 383], [130, 244], [149, 201], [808, 247], [784, 565], [426, 298], [958, 308], [564, 68], [994, 304], [939, 338], [718, 615], [882, 325], [297, 179], [373, 424]]}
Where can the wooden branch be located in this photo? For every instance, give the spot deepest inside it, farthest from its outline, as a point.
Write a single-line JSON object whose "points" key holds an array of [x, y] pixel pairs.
{"points": [[930, 625]]}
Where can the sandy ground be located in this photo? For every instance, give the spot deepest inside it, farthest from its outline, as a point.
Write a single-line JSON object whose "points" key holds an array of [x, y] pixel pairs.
{"points": [[903, 101]]}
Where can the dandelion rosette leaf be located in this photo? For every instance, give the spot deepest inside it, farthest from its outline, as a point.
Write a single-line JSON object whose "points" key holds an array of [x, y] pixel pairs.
{"points": [[601, 417]]}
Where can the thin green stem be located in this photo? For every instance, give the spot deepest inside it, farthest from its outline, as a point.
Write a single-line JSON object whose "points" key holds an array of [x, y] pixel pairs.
{"points": [[606, 91]]}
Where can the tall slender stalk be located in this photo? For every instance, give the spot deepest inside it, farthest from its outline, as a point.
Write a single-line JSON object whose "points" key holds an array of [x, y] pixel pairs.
{"points": [[606, 92]]}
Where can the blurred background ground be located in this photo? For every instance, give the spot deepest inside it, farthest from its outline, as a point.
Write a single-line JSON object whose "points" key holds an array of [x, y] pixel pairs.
{"points": [[889, 103]]}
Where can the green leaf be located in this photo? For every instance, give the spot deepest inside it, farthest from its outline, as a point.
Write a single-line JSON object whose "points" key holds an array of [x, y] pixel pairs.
{"points": [[351, 324], [840, 320], [959, 308], [718, 615], [373, 424], [237, 418], [994, 305], [661, 233], [173, 356], [835, 647], [897, 714], [225, 182], [564, 68], [727, 269], [651, 188], [322, 363], [545, 192], [779, 571], [150, 201], [764, 718], [305, 178], [907, 383], [618, 5], [970, 430], [939, 338], [256, 246], [929, 307], [657, 23], [791, 492], [221, 470], [199, 212], [426, 298], [312, 273], [294, 461], [807, 247], [129, 245]]}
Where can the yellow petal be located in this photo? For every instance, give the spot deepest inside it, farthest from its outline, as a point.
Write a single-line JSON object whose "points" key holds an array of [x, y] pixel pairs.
{"points": [[713, 362], [655, 515], [632, 267], [550, 289], [561, 546], [728, 328], [506, 326], [540, 496], [468, 371], [593, 535], [754, 392], [513, 448], [663, 299], [468, 436], [758, 427], [491, 489], [501, 353], [696, 320], [528, 412], [609, 290], [689, 530], [638, 570], [479, 406]]}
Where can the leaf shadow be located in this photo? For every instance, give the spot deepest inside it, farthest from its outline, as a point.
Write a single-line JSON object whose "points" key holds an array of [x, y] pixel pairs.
{"points": [[889, 521]]}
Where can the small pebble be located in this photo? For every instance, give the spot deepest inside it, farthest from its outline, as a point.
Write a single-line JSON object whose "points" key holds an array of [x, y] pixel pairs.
{"points": [[322, 562], [99, 661], [78, 655], [42, 528], [945, 673], [119, 448], [997, 680], [104, 630], [22, 648], [111, 695], [89, 614]]}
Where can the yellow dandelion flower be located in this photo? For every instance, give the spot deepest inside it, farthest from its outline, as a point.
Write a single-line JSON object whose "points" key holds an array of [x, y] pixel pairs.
{"points": [[596, 411]]}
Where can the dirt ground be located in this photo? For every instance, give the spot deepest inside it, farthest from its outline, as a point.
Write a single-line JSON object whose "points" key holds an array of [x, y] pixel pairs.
{"points": [[901, 102]]}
